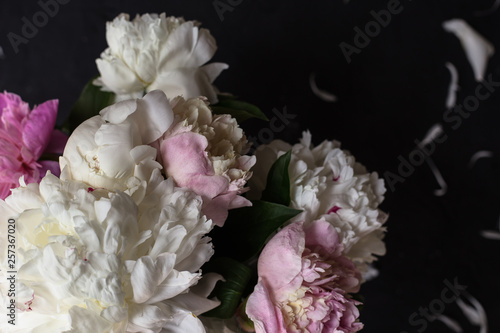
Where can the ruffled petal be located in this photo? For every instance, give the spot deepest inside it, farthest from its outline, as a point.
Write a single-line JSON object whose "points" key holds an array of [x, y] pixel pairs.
{"points": [[39, 127], [118, 77], [184, 158]]}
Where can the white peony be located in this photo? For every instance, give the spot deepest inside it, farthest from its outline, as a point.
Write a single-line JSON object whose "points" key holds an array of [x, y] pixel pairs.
{"points": [[111, 150], [89, 260], [326, 182], [158, 52]]}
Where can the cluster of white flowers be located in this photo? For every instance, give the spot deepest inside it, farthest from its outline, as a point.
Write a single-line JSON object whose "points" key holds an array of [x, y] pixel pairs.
{"points": [[116, 244], [327, 183]]}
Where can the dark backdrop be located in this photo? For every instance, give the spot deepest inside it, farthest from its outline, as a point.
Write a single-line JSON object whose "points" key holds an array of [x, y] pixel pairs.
{"points": [[389, 94]]}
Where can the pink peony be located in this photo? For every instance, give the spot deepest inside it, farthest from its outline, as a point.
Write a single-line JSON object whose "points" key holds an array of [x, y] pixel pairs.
{"points": [[304, 283], [206, 153], [25, 135]]}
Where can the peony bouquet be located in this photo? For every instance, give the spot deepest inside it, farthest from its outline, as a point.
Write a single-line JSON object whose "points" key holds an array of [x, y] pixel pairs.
{"points": [[150, 215]]}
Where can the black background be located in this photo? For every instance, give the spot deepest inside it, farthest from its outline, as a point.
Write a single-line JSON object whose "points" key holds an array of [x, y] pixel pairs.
{"points": [[389, 95]]}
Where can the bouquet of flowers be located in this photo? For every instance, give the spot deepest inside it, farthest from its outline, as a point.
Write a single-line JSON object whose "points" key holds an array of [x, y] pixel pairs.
{"points": [[150, 216]]}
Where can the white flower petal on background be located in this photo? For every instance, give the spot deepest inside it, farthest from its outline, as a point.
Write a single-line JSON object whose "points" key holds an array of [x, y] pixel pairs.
{"points": [[85, 260], [326, 182], [158, 52], [324, 95], [475, 312], [432, 133], [479, 155], [476, 47], [490, 234], [453, 87], [439, 178]]}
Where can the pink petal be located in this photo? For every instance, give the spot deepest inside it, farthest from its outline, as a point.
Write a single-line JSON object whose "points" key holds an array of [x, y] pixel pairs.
{"points": [[283, 250], [38, 129], [217, 208], [5, 189], [239, 201], [321, 236], [53, 166], [13, 101], [246, 162], [57, 142], [260, 309], [185, 159]]}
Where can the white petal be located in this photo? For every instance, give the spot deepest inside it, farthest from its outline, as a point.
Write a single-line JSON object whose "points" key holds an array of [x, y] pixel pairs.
{"points": [[324, 95], [84, 321], [453, 87], [186, 47], [196, 300], [148, 274], [186, 82], [118, 112], [190, 324], [476, 47], [154, 116], [152, 317], [118, 77], [213, 70], [176, 283]]}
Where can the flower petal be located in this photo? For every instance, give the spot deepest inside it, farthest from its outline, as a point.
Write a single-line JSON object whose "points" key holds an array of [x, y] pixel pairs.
{"points": [[476, 47], [117, 76], [261, 310], [39, 126], [283, 250], [187, 47], [185, 159], [148, 274]]}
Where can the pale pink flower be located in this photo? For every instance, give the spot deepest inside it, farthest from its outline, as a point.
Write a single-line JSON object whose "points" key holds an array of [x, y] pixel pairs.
{"points": [[304, 283], [205, 152], [24, 136]]}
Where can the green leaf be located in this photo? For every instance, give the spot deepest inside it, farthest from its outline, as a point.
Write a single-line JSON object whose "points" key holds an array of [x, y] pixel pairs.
{"points": [[230, 292], [91, 101], [247, 229], [278, 181], [239, 110]]}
